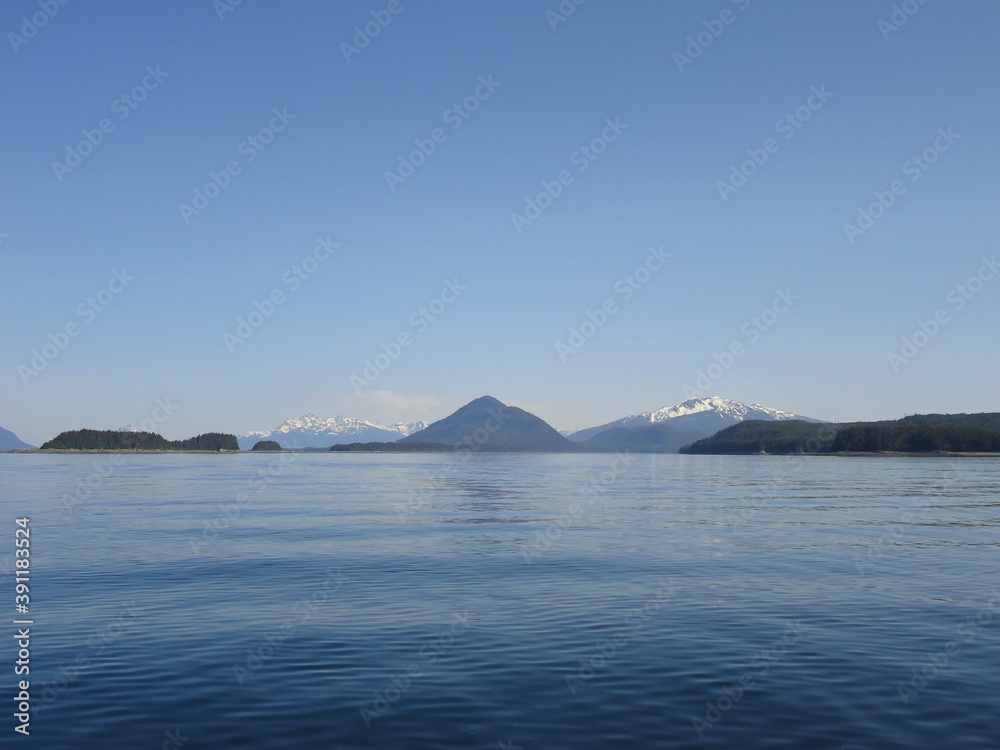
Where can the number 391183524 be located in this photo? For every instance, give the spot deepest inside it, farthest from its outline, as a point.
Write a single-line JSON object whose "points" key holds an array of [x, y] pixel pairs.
{"points": [[22, 565]]}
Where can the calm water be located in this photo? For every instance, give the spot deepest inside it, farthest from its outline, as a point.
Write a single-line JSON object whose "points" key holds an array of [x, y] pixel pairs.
{"points": [[316, 601]]}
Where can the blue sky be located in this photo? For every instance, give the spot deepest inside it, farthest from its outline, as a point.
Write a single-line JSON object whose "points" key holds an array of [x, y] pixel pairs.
{"points": [[197, 87]]}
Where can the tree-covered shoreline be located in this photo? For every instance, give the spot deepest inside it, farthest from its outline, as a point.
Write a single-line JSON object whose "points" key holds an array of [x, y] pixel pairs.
{"points": [[111, 440], [920, 433]]}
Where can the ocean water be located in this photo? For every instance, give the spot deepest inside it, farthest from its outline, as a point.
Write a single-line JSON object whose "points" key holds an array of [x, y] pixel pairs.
{"points": [[506, 601]]}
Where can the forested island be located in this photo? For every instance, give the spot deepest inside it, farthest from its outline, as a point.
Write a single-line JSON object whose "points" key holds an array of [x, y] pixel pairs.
{"points": [[920, 433], [272, 446], [112, 440]]}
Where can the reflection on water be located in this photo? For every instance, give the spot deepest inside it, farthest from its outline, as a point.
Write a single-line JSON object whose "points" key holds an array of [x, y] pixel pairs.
{"points": [[342, 601]]}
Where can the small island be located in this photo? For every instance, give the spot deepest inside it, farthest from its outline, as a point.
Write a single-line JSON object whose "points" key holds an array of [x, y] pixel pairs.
{"points": [[112, 440], [264, 446]]}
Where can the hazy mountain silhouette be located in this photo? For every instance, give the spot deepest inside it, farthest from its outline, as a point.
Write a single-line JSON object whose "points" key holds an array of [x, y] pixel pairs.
{"points": [[11, 442], [488, 424]]}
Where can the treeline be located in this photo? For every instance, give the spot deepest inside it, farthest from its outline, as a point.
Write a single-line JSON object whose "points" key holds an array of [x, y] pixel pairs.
{"points": [[989, 421], [267, 446], [210, 441], [915, 439], [920, 433], [111, 440], [758, 436]]}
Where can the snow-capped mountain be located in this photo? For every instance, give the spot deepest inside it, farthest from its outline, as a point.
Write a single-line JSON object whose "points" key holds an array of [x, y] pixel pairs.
{"points": [[695, 416], [309, 431]]}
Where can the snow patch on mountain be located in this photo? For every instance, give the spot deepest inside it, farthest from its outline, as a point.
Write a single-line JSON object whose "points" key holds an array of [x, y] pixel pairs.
{"points": [[724, 406], [407, 429], [712, 412], [310, 431]]}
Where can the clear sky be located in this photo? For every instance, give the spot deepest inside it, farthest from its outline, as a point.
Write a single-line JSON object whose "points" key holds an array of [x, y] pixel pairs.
{"points": [[322, 128]]}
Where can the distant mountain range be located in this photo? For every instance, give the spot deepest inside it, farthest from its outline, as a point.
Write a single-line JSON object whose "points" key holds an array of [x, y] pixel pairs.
{"points": [[664, 430], [708, 411], [487, 424], [711, 425], [668, 429], [11, 442], [309, 431]]}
